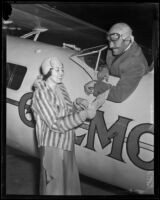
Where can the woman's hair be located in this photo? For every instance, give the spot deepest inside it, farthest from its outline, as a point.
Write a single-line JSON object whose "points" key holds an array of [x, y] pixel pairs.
{"points": [[46, 76]]}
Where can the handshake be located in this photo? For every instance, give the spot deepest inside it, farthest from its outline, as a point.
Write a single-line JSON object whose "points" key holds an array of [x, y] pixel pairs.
{"points": [[100, 89], [88, 110], [99, 86]]}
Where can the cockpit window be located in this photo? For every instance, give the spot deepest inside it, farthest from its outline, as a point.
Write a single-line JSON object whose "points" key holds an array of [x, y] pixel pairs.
{"points": [[90, 60], [15, 75], [93, 57]]}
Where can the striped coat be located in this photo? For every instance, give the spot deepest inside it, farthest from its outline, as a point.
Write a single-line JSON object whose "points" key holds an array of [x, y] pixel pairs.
{"points": [[55, 119]]}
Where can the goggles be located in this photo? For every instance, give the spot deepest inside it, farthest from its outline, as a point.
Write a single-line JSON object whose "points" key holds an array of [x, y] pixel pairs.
{"points": [[114, 36]]}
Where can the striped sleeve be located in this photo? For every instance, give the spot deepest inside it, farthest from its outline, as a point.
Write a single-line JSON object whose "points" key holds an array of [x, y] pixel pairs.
{"points": [[72, 121], [41, 106]]}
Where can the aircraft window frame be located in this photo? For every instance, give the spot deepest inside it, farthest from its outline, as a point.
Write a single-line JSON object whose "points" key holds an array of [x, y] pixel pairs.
{"points": [[91, 51], [15, 75]]}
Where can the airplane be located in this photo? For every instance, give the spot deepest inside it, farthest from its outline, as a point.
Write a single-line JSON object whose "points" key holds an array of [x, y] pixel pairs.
{"points": [[117, 146]]}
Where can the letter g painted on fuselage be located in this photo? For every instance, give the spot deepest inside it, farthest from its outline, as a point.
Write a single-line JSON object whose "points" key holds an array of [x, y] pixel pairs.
{"points": [[22, 107]]}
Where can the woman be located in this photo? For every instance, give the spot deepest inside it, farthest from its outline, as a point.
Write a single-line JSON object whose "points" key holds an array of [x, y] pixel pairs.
{"points": [[56, 117]]}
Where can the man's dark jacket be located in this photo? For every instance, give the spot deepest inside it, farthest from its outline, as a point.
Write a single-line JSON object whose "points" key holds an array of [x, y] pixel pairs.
{"points": [[130, 68]]}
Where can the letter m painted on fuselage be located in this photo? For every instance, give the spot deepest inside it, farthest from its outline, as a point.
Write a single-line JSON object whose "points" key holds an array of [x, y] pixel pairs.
{"points": [[116, 131]]}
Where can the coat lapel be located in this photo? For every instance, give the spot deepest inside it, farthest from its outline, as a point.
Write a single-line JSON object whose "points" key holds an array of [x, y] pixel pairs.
{"points": [[114, 62]]}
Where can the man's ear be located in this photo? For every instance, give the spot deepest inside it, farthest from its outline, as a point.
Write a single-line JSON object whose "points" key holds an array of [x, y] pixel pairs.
{"points": [[132, 38], [129, 37]]}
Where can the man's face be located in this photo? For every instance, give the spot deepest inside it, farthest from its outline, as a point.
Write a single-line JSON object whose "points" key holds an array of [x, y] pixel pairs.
{"points": [[116, 42], [58, 73]]}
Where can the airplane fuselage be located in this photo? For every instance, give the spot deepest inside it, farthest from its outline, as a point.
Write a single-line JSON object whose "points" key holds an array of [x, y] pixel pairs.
{"points": [[115, 147]]}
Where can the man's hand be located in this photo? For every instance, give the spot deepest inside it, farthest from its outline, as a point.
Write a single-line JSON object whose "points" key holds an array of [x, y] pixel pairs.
{"points": [[89, 87], [100, 87], [103, 74]]}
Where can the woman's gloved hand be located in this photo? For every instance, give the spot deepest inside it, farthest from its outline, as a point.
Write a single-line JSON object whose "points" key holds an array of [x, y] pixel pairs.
{"points": [[89, 113], [81, 104]]}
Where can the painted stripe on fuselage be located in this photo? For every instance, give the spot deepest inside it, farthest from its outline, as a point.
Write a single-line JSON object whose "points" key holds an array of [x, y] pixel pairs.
{"points": [[13, 102], [16, 103]]}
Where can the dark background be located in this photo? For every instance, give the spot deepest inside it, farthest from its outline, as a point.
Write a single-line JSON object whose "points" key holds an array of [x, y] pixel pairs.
{"points": [[142, 17]]}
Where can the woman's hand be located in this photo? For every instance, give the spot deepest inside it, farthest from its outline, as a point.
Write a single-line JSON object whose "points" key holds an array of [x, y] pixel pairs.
{"points": [[81, 104]]}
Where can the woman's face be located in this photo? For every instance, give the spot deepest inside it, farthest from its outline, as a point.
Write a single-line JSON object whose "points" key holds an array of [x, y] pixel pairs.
{"points": [[58, 73]]}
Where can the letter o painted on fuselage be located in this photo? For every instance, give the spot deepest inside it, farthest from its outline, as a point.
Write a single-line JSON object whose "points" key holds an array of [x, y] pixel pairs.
{"points": [[133, 147]]}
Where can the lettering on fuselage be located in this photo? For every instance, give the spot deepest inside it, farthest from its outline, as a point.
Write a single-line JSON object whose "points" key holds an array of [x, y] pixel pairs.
{"points": [[98, 126], [117, 132], [23, 106]]}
